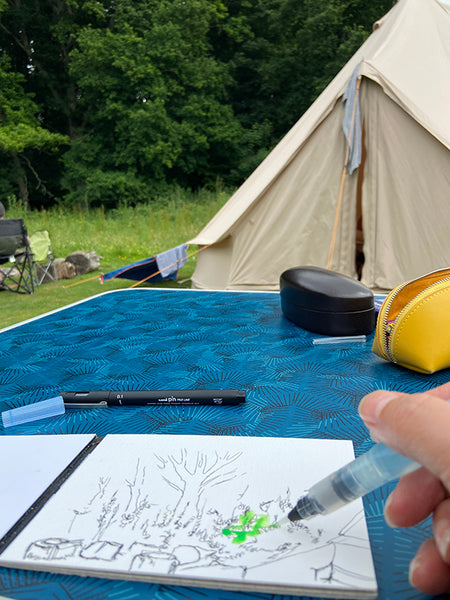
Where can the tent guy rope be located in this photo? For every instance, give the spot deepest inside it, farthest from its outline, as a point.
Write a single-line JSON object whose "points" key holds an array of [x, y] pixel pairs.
{"points": [[200, 249]]}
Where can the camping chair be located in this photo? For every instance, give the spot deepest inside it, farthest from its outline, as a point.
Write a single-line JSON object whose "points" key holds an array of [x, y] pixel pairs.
{"points": [[44, 267], [16, 258]]}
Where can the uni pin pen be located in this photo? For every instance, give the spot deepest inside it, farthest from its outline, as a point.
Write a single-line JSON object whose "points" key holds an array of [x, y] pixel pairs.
{"points": [[106, 398], [363, 475]]}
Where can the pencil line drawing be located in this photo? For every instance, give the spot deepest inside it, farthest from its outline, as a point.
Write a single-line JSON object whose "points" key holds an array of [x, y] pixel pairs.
{"points": [[192, 514]]}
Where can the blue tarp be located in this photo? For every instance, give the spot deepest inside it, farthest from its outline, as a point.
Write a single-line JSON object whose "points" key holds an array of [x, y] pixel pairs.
{"points": [[139, 271], [168, 263]]}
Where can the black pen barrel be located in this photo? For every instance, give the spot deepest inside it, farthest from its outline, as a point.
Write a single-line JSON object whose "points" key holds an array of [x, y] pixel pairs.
{"points": [[156, 397], [176, 397]]}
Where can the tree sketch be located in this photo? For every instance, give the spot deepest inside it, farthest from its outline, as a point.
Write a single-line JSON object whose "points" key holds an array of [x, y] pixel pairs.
{"points": [[172, 514], [193, 479]]}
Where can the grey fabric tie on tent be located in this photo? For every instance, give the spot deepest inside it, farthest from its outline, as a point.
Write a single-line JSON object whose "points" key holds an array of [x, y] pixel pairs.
{"points": [[351, 123]]}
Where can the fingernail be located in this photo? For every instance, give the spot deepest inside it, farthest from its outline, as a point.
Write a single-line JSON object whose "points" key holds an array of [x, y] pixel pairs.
{"points": [[413, 566], [371, 406], [386, 510], [442, 537]]}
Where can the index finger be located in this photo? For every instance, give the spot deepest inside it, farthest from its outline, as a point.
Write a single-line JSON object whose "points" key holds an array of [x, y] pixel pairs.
{"points": [[416, 425]]}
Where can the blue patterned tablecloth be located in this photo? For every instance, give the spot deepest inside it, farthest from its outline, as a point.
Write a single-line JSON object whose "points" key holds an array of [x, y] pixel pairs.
{"points": [[181, 339]]}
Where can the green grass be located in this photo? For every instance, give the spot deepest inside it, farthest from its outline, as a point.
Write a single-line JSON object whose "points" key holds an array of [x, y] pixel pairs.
{"points": [[120, 236]]}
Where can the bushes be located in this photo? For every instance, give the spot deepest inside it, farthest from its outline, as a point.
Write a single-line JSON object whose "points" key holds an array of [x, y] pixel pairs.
{"points": [[128, 232]]}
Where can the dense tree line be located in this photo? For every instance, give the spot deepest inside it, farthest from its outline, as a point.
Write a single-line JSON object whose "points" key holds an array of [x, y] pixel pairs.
{"points": [[104, 101]]}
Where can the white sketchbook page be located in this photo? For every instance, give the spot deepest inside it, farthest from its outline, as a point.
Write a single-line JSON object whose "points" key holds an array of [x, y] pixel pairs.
{"points": [[154, 507], [28, 465]]}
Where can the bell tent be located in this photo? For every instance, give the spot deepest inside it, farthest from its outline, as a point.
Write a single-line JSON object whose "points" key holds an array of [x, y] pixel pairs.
{"points": [[367, 166]]}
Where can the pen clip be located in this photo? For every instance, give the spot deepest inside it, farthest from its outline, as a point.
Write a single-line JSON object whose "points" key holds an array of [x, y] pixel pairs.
{"points": [[101, 404]]}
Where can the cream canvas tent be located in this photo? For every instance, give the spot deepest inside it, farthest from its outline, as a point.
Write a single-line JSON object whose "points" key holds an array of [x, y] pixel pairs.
{"points": [[302, 207]]}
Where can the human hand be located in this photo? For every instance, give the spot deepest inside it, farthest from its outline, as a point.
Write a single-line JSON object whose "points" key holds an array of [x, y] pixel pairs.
{"points": [[418, 426]]}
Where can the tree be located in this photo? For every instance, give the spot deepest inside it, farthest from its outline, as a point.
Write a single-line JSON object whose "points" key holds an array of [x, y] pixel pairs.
{"points": [[193, 479], [21, 134], [36, 37], [156, 98], [291, 50]]}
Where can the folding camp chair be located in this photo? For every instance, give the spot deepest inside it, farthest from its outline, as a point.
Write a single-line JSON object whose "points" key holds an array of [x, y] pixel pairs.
{"points": [[16, 258], [44, 267]]}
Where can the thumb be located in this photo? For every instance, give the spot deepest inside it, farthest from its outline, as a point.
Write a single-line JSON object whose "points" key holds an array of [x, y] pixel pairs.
{"points": [[416, 425]]}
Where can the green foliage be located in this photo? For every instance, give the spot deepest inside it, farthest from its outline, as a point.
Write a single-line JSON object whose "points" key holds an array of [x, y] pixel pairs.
{"points": [[103, 103], [22, 134], [17, 137], [154, 94], [249, 525], [304, 44], [19, 127]]}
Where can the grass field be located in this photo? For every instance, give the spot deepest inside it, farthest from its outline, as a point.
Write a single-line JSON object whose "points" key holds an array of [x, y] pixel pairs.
{"points": [[120, 236]]}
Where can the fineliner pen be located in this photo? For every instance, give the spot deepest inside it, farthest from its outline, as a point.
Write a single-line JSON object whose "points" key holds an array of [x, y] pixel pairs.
{"points": [[105, 398], [363, 475]]}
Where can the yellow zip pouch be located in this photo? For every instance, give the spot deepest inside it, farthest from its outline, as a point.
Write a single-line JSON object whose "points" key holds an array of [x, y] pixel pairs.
{"points": [[413, 326]]}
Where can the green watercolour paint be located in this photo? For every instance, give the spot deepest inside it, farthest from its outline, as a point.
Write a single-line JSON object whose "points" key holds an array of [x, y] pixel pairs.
{"points": [[248, 526]]}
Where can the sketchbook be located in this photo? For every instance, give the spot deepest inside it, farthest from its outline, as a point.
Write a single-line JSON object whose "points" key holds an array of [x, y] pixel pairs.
{"points": [[183, 510]]}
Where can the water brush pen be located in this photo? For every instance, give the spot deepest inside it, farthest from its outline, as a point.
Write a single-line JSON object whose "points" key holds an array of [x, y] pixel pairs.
{"points": [[363, 475]]}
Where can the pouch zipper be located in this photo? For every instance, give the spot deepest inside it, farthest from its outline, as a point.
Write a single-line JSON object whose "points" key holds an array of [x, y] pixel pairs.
{"points": [[388, 326]]}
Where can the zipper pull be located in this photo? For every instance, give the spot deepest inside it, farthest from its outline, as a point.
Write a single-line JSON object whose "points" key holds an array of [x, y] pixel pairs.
{"points": [[388, 328]]}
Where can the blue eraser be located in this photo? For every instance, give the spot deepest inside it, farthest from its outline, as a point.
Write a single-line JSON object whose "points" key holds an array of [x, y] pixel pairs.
{"points": [[33, 412]]}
